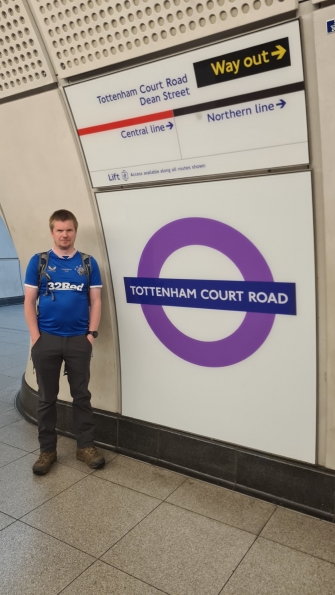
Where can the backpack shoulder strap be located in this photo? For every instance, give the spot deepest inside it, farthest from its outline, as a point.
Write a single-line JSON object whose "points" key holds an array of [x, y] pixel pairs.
{"points": [[43, 259], [87, 265]]}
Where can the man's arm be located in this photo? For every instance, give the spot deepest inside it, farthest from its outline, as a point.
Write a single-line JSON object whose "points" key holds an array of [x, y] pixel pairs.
{"points": [[30, 312], [95, 310]]}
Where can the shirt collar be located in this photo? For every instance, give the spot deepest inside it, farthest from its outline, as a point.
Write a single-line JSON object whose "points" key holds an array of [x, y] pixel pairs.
{"points": [[66, 256]]}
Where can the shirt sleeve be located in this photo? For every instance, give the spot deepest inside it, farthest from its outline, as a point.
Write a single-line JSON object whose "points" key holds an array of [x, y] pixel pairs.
{"points": [[95, 277], [31, 279]]}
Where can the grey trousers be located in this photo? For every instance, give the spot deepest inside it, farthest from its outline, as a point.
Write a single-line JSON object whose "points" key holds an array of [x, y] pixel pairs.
{"points": [[48, 354]]}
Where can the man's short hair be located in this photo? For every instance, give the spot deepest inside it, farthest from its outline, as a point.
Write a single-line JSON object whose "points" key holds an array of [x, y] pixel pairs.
{"points": [[62, 215]]}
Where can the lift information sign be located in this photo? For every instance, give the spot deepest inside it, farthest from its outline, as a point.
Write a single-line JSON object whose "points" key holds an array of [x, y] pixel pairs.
{"points": [[175, 118]]}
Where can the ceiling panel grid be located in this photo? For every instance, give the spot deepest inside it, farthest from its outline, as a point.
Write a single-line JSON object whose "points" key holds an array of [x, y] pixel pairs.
{"points": [[83, 35], [23, 64]]}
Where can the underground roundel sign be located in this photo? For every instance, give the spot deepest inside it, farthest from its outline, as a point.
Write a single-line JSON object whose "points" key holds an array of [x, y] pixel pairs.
{"points": [[258, 295]]}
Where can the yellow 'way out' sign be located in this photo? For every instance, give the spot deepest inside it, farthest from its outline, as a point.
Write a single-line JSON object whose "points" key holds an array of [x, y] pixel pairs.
{"points": [[246, 62]]}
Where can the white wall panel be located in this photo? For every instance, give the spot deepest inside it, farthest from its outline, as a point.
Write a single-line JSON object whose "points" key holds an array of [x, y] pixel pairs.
{"points": [[199, 369], [84, 35], [40, 172], [23, 63]]}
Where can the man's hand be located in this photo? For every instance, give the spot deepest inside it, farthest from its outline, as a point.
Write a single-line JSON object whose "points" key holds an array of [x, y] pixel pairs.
{"points": [[30, 312], [90, 339], [34, 339]]}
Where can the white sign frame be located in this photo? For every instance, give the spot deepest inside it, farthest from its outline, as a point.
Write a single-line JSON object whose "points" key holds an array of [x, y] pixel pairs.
{"points": [[249, 123]]}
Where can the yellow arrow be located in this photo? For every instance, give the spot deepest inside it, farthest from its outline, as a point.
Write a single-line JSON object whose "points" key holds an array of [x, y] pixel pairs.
{"points": [[280, 52]]}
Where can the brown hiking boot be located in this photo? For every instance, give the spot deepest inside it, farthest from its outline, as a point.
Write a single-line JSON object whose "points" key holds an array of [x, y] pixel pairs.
{"points": [[91, 457], [44, 462]]}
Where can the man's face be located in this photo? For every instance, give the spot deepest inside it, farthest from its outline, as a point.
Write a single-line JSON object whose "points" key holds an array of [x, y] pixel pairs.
{"points": [[64, 234]]}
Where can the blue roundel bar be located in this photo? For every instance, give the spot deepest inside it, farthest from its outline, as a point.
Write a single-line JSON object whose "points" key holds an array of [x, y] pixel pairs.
{"points": [[243, 296]]}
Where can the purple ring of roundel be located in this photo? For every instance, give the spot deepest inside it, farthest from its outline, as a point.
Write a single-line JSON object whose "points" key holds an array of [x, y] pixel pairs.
{"points": [[254, 329]]}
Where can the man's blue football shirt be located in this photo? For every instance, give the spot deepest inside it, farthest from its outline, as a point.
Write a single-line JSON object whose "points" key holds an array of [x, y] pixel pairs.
{"points": [[67, 314]]}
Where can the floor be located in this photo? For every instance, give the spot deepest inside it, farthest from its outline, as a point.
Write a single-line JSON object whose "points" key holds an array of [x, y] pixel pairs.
{"points": [[135, 529]]}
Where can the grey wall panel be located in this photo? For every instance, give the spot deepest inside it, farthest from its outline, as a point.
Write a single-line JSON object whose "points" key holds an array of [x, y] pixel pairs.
{"points": [[7, 249], [40, 172], [10, 278], [24, 65], [81, 37], [10, 273]]}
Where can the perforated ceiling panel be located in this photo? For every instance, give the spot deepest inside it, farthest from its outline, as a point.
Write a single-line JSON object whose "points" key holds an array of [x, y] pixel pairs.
{"points": [[22, 61], [82, 35]]}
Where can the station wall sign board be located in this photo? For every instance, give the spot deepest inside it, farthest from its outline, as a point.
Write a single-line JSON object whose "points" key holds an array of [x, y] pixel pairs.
{"points": [[237, 105], [215, 295]]}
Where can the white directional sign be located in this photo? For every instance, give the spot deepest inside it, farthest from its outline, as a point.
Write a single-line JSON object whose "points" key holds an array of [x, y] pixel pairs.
{"points": [[234, 106]]}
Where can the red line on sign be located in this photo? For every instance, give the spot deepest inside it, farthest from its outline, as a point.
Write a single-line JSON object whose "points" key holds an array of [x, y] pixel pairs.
{"points": [[125, 123]]}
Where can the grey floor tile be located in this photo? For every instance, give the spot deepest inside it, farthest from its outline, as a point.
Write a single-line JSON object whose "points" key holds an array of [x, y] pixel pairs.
{"points": [[273, 569], [11, 324], [7, 382], [8, 394], [21, 435], [14, 314], [6, 407], [13, 349], [9, 417], [8, 454], [102, 579], [180, 552], [16, 337], [21, 491], [92, 515], [5, 369], [5, 520], [66, 454], [142, 477], [223, 505], [15, 372], [35, 564], [14, 325], [6, 327], [302, 532], [8, 398], [17, 358], [12, 360]]}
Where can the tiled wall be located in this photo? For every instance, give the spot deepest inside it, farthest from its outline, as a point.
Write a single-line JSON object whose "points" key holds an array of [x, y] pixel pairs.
{"points": [[80, 36]]}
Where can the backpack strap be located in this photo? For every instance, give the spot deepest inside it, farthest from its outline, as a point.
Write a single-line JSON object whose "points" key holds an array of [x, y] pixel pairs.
{"points": [[43, 259], [87, 266]]}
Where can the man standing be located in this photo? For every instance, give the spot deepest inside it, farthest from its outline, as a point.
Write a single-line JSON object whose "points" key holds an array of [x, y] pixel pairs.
{"points": [[66, 285]]}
